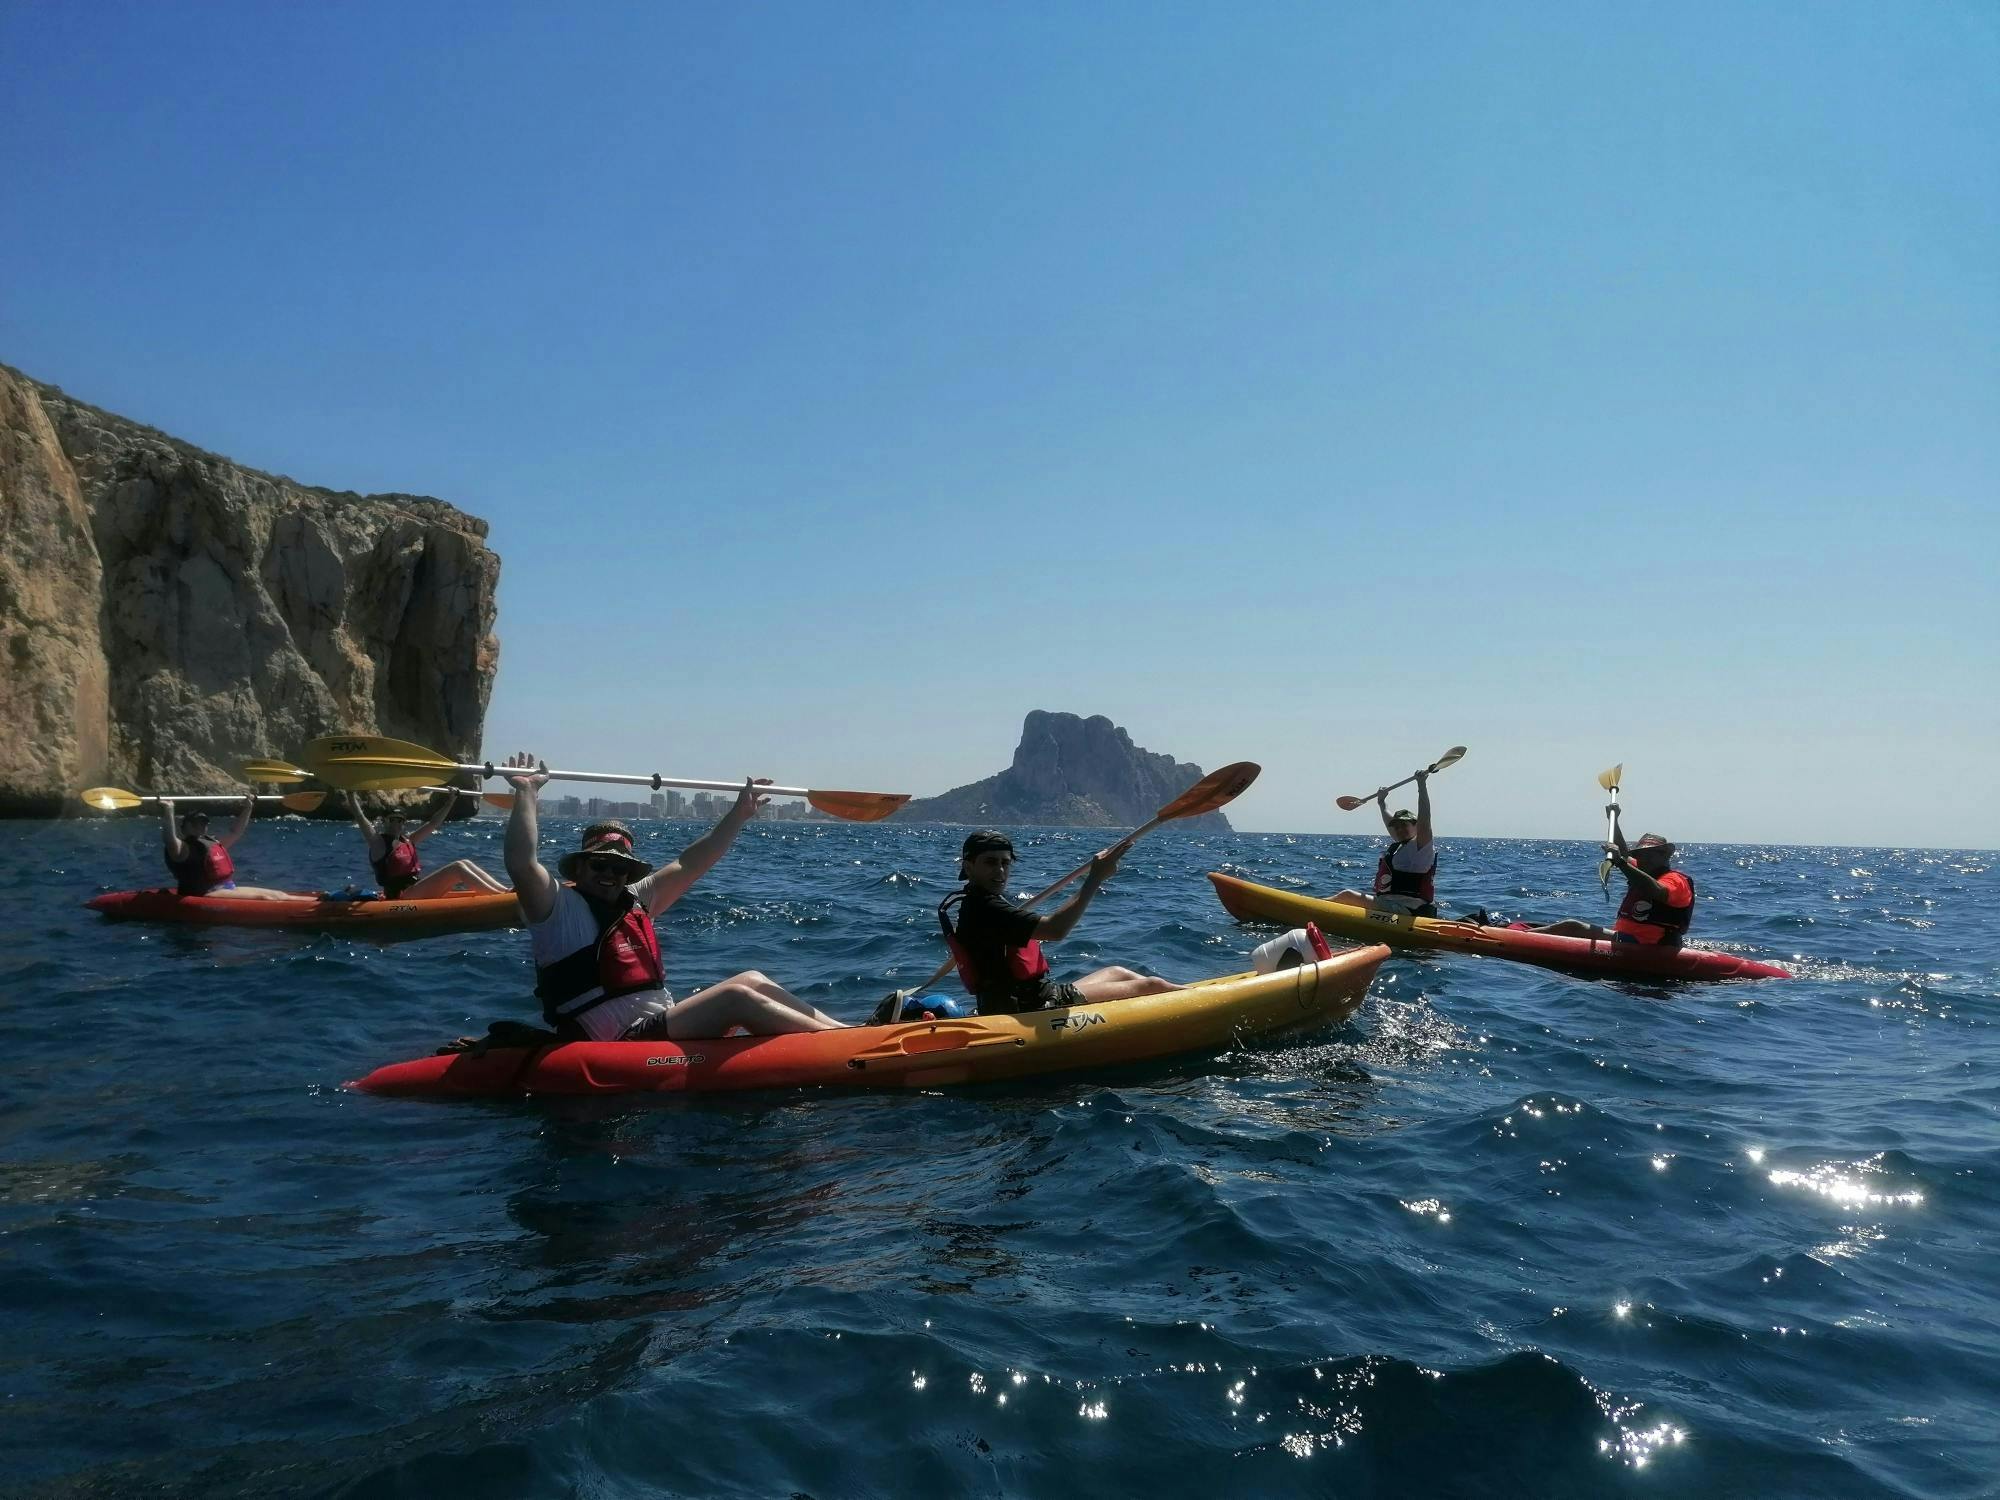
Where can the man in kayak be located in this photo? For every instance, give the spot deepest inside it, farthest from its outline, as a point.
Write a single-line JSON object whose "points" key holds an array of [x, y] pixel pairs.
{"points": [[393, 853], [998, 945], [1659, 900], [1406, 874], [201, 865], [599, 973]]}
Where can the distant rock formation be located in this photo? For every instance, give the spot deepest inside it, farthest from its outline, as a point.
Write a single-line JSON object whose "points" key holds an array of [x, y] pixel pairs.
{"points": [[165, 612], [1070, 771]]}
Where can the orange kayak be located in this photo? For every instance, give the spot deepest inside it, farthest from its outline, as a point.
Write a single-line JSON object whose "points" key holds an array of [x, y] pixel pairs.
{"points": [[1204, 1017], [311, 910]]}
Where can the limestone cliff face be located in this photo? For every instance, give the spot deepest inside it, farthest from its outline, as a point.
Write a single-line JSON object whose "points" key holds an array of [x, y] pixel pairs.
{"points": [[165, 613], [1070, 771]]}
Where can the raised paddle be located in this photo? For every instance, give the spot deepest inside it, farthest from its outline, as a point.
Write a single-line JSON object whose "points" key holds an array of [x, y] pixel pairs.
{"points": [[370, 763], [276, 772], [1216, 789], [1609, 781], [1451, 757], [502, 800], [117, 799]]}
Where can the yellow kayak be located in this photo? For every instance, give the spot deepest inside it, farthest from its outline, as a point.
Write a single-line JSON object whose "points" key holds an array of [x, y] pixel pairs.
{"points": [[1249, 902], [1204, 1017]]}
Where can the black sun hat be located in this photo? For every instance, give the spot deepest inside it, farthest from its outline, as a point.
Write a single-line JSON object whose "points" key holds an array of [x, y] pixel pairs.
{"points": [[610, 840]]}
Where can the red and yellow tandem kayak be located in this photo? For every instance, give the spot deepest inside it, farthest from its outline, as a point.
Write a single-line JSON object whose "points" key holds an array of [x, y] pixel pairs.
{"points": [[1262, 903], [1207, 1016], [381, 915]]}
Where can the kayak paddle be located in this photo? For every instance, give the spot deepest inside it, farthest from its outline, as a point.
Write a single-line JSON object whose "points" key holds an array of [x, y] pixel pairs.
{"points": [[1609, 781], [370, 763], [117, 799], [276, 772], [1216, 789], [1451, 757]]}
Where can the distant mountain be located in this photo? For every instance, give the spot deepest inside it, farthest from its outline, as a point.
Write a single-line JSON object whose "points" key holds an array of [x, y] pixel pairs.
{"points": [[1070, 771]]}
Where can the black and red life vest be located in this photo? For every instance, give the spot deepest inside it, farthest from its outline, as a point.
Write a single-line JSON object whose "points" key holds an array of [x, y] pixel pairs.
{"points": [[1024, 965], [624, 960], [207, 866], [398, 868], [1390, 881], [1639, 914]]}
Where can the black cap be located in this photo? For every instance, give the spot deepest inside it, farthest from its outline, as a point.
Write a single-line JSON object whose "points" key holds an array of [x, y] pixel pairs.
{"points": [[984, 842]]}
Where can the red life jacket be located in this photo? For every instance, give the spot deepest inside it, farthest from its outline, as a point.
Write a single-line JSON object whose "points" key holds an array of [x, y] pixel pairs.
{"points": [[1389, 881], [398, 869], [1650, 921], [1024, 964], [207, 866], [624, 960]]}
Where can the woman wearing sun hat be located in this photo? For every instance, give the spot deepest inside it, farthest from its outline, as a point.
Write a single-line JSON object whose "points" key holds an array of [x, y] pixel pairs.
{"points": [[1406, 874], [1659, 900], [392, 853], [599, 972]]}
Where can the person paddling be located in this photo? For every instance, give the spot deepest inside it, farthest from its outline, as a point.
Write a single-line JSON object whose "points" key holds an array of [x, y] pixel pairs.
{"points": [[998, 945], [1406, 873], [393, 854], [1659, 900], [599, 972], [200, 864]]}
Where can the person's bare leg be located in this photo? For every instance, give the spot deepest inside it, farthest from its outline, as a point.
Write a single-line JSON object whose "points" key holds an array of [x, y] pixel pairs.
{"points": [[1573, 927], [256, 893], [1103, 985], [460, 877], [754, 1001]]}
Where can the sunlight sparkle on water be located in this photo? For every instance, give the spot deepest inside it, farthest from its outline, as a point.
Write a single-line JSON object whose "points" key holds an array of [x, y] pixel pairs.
{"points": [[1829, 1181]]}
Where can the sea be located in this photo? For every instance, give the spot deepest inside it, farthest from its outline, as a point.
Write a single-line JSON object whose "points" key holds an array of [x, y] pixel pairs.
{"points": [[1503, 1233]]}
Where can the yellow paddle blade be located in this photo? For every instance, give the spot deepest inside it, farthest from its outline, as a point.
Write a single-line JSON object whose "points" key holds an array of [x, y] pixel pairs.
{"points": [[302, 802], [858, 807], [109, 798], [498, 799], [277, 772], [1609, 779], [374, 777], [1216, 789], [371, 763]]}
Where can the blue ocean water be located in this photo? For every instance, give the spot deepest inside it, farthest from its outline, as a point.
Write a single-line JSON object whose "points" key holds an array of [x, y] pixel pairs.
{"points": [[1507, 1232]]}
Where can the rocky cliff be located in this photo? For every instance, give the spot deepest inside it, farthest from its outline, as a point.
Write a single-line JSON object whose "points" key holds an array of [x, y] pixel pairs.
{"points": [[165, 612], [1070, 771]]}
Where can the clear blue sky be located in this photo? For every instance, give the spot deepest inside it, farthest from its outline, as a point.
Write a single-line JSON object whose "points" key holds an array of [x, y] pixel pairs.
{"points": [[1321, 385]]}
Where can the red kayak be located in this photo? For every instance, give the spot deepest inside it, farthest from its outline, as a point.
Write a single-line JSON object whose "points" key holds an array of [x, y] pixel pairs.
{"points": [[1249, 902], [1205, 1017], [379, 916]]}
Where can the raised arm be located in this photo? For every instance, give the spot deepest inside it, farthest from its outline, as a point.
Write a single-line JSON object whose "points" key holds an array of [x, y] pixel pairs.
{"points": [[170, 828], [1641, 881], [534, 887], [1423, 808], [436, 820], [1055, 926], [242, 823], [1382, 808], [670, 882]]}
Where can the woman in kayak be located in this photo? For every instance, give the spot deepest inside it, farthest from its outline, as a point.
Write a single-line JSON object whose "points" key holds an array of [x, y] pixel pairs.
{"points": [[998, 945], [201, 865], [393, 854], [599, 973], [1406, 874], [1659, 900]]}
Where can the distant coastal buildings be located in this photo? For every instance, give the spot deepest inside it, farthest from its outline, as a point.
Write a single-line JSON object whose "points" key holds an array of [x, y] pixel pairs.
{"points": [[702, 807]]}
